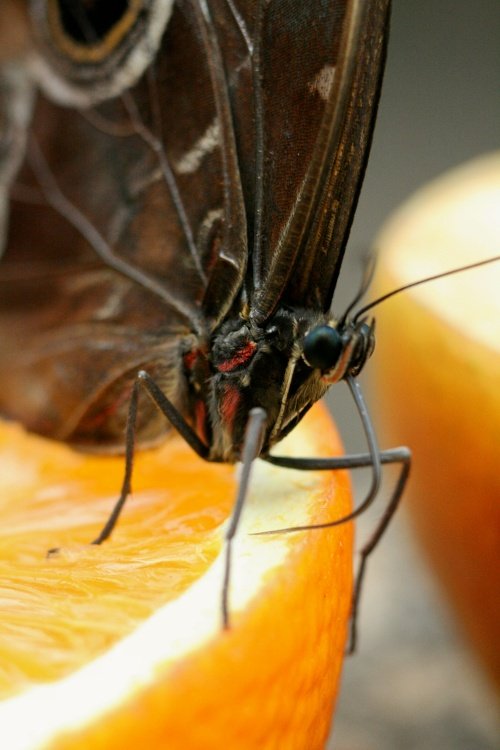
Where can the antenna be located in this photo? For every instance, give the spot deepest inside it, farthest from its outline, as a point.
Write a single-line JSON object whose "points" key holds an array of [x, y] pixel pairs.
{"points": [[400, 289]]}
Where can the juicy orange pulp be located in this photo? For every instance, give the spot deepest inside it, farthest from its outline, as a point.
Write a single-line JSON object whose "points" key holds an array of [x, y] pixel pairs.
{"points": [[73, 606], [177, 680]]}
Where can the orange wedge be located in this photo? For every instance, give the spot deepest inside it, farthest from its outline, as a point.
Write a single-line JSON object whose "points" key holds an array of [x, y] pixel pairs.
{"points": [[121, 646], [438, 384]]}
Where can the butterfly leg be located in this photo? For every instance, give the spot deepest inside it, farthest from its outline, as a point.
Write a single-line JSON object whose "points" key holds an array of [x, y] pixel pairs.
{"points": [[146, 382], [251, 449], [252, 445], [401, 456]]}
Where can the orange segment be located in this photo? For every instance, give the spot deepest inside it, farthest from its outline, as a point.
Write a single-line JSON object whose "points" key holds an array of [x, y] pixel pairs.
{"points": [[125, 640], [438, 378]]}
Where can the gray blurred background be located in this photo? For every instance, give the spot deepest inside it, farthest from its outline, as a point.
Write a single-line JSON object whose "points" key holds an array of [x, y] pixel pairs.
{"points": [[412, 684]]}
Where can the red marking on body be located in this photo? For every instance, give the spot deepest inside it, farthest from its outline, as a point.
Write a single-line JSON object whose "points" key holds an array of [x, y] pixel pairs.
{"points": [[190, 358], [241, 356], [229, 405]]}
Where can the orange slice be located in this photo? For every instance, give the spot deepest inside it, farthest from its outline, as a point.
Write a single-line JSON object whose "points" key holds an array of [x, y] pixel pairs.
{"points": [[121, 646], [438, 378]]}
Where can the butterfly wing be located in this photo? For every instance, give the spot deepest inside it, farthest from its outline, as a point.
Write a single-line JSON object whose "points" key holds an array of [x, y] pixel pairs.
{"points": [[151, 170], [316, 84], [224, 179], [134, 188]]}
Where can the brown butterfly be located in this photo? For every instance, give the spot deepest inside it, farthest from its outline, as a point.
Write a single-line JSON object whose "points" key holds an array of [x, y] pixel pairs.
{"points": [[190, 174]]}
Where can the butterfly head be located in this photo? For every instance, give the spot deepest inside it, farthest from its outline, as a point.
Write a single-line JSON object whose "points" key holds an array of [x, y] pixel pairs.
{"points": [[283, 367]]}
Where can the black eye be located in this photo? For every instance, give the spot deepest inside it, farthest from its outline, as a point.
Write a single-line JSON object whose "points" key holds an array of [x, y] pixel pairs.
{"points": [[322, 347]]}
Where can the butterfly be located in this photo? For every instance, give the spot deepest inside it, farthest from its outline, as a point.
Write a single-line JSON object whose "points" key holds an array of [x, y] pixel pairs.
{"points": [[182, 186]]}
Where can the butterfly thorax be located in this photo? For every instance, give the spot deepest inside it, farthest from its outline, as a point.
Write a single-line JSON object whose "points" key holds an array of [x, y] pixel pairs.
{"points": [[283, 366]]}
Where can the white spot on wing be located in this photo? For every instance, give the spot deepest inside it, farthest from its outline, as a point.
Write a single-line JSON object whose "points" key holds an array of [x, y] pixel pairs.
{"points": [[323, 81], [215, 214], [112, 307], [209, 141], [113, 304]]}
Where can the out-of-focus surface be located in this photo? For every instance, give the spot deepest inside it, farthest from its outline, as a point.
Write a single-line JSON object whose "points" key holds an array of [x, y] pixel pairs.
{"points": [[413, 684]]}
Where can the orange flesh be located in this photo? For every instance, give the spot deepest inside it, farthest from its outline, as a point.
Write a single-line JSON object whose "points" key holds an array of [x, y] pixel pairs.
{"points": [[178, 680], [72, 607]]}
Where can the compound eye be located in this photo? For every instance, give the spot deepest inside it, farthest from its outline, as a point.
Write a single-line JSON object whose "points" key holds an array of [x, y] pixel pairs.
{"points": [[91, 50], [322, 347]]}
